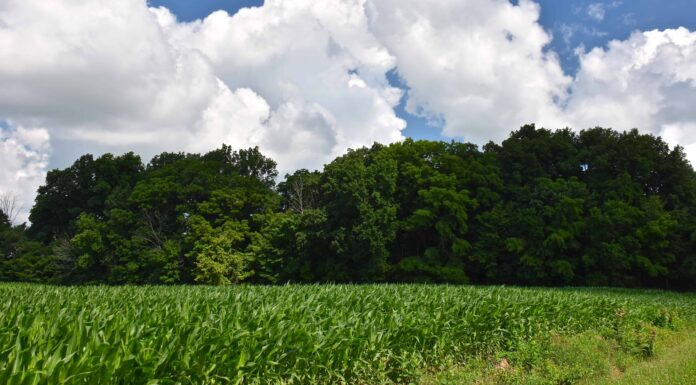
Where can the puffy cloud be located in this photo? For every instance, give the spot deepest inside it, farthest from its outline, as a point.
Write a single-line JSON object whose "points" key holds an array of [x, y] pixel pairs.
{"points": [[477, 66], [98, 72], [306, 79], [119, 74], [647, 81], [481, 69], [24, 157]]}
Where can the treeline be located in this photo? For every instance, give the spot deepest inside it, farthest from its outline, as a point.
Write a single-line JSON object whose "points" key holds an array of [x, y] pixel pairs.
{"points": [[544, 207]]}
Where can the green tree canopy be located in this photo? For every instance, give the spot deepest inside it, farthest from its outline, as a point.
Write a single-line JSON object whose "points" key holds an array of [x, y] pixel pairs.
{"points": [[543, 207]]}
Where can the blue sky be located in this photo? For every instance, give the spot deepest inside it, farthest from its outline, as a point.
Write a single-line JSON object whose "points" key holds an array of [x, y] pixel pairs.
{"points": [[572, 23], [619, 19]]}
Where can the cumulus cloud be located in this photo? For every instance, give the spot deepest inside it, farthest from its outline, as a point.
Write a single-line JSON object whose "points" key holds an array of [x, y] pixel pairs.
{"points": [[316, 65], [478, 66], [303, 80], [120, 74], [98, 72], [24, 157], [306, 79], [647, 81]]}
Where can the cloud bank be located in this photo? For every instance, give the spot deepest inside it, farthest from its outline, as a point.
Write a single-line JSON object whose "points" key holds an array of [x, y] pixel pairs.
{"points": [[305, 80]]}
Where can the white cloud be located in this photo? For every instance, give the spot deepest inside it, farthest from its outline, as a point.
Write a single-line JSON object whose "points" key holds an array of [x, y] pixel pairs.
{"points": [[24, 158], [596, 11], [316, 64], [647, 81], [98, 71], [478, 65], [306, 79]]}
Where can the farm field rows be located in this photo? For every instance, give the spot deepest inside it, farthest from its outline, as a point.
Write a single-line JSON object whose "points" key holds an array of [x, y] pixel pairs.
{"points": [[317, 334]]}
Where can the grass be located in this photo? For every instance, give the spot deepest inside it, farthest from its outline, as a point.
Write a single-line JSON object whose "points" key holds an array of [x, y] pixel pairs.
{"points": [[676, 365], [584, 359], [331, 334]]}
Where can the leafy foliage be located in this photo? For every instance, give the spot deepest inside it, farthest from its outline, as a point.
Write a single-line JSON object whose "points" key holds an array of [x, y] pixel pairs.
{"points": [[598, 207]]}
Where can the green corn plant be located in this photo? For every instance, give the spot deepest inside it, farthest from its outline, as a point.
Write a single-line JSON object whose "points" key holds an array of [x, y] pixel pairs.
{"points": [[311, 334]]}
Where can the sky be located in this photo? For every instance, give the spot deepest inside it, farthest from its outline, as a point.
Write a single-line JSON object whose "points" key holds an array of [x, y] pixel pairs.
{"points": [[305, 80]]}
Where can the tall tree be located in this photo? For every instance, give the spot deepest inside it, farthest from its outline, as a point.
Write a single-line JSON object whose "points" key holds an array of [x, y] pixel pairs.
{"points": [[88, 186]]}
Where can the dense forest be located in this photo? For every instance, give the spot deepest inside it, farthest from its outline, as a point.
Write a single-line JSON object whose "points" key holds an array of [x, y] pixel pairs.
{"points": [[598, 207]]}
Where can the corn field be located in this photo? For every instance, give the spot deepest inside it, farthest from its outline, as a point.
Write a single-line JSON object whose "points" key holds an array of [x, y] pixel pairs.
{"points": [[321, 334]]}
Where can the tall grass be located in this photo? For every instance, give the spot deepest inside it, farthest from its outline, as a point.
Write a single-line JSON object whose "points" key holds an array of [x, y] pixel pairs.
{"points": [[291, 334]]}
